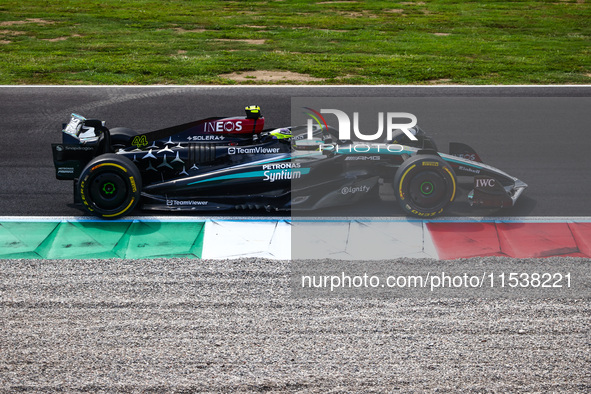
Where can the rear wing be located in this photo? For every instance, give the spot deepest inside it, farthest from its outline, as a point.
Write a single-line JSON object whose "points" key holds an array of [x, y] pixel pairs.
{"points": [[80, 130], [82, 140]]}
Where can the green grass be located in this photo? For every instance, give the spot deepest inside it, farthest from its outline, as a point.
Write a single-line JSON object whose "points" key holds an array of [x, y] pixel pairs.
{"points": [[355, 42]]}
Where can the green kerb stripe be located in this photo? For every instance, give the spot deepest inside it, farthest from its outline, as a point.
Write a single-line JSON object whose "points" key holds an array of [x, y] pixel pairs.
{"points": [[101, 239]]}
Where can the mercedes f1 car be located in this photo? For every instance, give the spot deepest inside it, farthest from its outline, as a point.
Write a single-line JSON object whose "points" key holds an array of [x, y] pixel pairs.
{"points": [[227, 163]]}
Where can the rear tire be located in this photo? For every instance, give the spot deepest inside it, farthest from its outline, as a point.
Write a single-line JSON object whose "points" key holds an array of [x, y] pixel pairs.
{"points": [[109, 186], [123, 137], [425, 185]]}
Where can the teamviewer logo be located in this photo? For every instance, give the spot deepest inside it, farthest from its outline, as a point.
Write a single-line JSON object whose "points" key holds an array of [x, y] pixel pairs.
{"points": [[346, 127]]}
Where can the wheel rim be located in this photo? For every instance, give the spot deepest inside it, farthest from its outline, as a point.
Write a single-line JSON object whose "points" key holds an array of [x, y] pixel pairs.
{"points": [[108, 191], [427, 189]]}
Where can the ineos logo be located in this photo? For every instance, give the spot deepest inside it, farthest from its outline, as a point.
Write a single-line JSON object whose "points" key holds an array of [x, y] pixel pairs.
{"points": [[221, 127]]}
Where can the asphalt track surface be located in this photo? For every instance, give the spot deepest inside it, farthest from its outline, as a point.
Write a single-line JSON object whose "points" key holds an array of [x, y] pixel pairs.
{"points": [[538, 134]]}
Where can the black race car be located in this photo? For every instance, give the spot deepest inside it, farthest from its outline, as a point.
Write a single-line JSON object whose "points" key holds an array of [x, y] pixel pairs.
{"points": [[234, 163]]}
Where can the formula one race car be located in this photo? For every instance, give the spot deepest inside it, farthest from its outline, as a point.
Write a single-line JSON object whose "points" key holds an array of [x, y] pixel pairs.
{"points": [[234, 163]]}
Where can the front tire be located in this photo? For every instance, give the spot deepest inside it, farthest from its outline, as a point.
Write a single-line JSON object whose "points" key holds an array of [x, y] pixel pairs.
{"points": [[425, 185], [109, 186]]}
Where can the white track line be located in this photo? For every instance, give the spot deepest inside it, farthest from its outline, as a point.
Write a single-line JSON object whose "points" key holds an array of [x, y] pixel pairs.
{"points": [[294, 86]]}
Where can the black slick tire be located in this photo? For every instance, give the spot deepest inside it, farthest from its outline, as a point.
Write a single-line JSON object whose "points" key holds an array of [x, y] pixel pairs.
{"points": [[425, 185], [109, 186]]}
